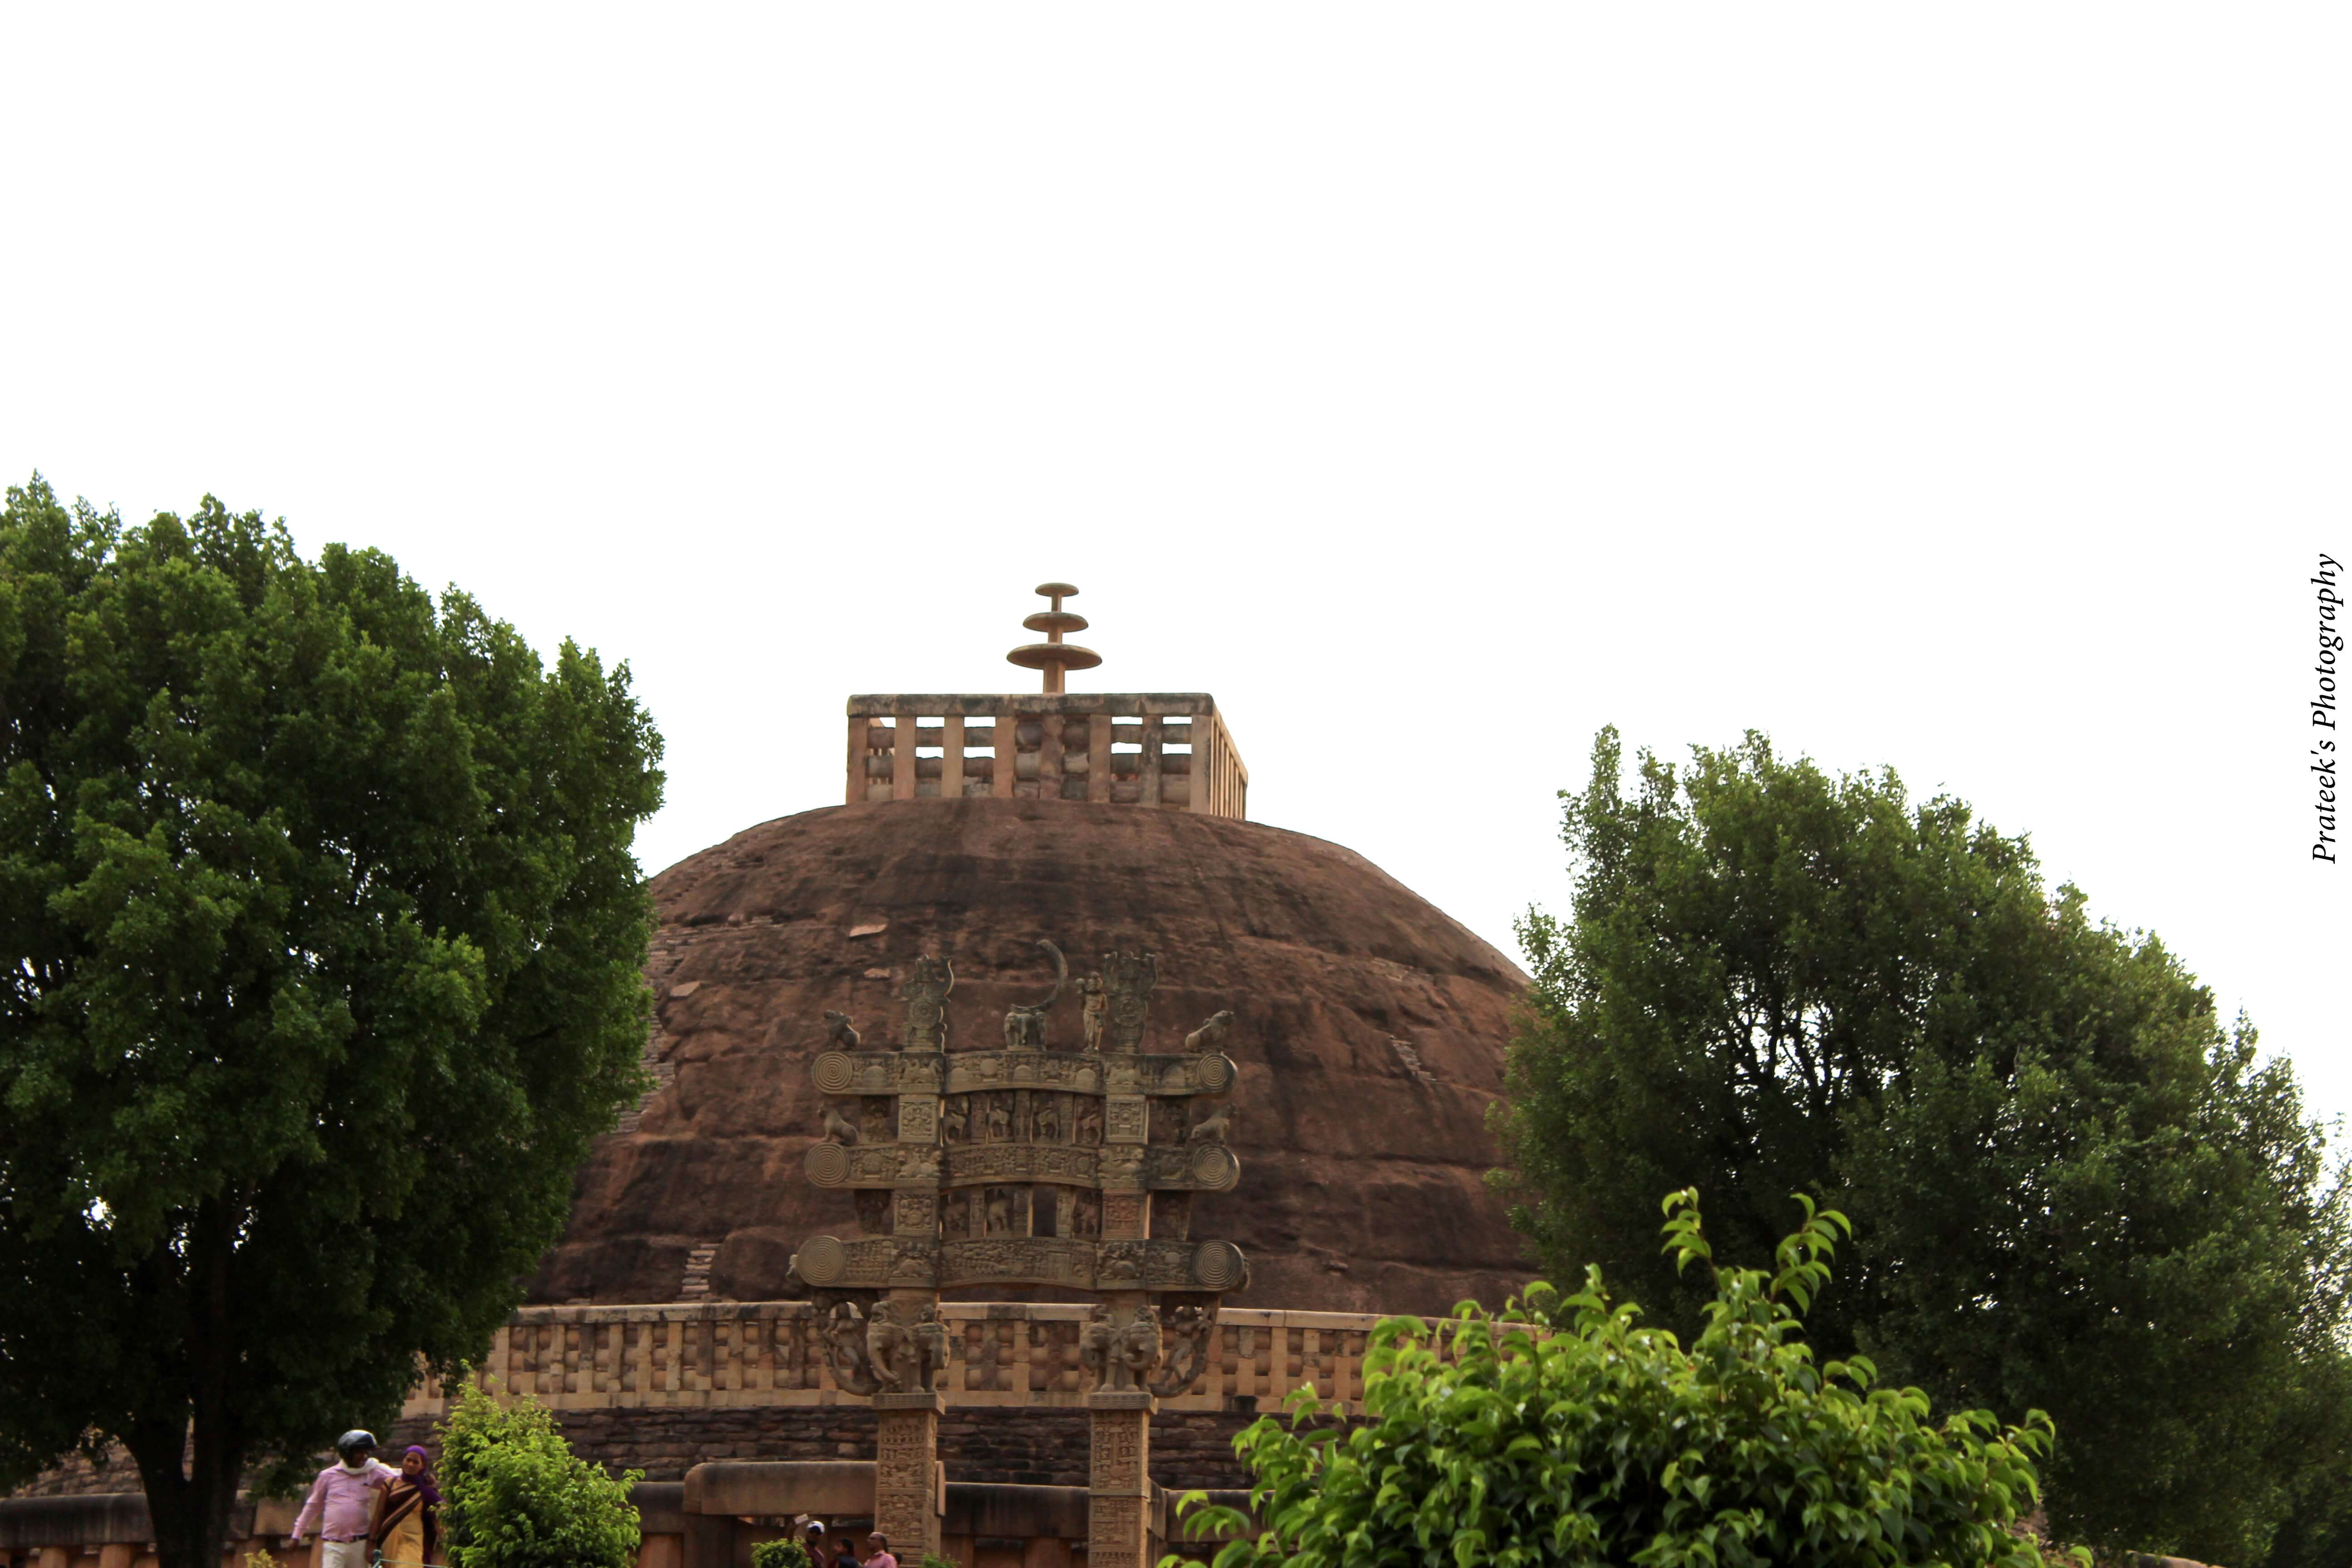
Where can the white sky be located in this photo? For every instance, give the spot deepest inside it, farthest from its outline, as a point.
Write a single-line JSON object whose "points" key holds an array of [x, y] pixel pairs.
{"points": [[1965, 391]]}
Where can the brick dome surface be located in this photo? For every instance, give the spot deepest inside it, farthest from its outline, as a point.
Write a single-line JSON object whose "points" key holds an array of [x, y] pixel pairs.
{"points": [[1369, 1029]]}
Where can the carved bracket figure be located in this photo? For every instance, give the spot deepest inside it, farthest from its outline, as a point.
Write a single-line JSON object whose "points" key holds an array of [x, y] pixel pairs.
{"points": [[1191, 1326], [844, 1328]]}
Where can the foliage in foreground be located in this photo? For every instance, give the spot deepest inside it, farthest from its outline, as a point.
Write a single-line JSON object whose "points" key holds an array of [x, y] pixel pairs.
{"points": [[325, 965], [1586, 1438], [2072, 1188], [515, 1496], [785, 1552]]}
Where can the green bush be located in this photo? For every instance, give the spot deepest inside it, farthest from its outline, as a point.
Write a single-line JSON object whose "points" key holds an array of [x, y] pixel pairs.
{"points": [[787, 1553], [1571, 1436], [515, 1496]]}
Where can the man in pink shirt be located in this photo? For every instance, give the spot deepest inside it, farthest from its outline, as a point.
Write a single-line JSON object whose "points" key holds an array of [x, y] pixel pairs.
{"points": [[878, 1552], [342, 1503]]}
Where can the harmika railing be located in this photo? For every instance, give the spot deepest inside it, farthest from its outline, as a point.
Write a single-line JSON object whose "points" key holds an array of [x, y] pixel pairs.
{"points": [[1153, 748]]}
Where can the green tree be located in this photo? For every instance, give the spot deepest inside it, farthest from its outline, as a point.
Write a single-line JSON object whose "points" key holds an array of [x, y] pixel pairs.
{"points": [[515, 1496], [327, 961], [783, 1553], [2074, 1188], [1574, 1434]]}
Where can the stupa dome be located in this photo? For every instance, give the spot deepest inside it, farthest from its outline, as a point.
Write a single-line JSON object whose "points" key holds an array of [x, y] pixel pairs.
{"points": [[1369, 1029]]}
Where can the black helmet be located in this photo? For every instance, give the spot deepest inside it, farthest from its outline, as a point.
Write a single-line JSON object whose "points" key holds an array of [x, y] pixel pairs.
{"points": [[357, 1437]]}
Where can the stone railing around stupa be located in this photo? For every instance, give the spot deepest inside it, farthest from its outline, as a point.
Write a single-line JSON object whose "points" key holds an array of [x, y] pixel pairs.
{"points": [[731, 1353], [1166, 749]]}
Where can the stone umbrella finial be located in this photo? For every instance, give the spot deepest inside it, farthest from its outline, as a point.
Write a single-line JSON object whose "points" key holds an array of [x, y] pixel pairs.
{"points": [[1054, 656]]}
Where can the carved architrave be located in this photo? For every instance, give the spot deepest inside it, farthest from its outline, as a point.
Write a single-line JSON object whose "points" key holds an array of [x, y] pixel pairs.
{"points": [[969, 1071], [869, 1263], [973, 1163], [1199, 1167], [880, 1072], [1018, 1260], [873, 1164], [1079, 1263], [1079, 1072]]}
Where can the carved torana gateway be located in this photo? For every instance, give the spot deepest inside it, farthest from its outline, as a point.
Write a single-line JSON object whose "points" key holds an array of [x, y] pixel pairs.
{"points": [[668, 1331], [1023, 1165]]}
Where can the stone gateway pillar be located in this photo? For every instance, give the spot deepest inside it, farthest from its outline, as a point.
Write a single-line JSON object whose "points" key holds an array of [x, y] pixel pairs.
{"points": [[1118, 1478], [906, 1472]]}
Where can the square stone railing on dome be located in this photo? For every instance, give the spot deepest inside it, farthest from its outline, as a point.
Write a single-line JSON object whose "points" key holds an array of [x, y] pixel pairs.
{"points": [[1150, 748], [726, 1353]]}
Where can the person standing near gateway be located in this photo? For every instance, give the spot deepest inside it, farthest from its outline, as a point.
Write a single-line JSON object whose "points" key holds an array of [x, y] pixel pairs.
{"points": [[341, 1504], [406, 1526]]}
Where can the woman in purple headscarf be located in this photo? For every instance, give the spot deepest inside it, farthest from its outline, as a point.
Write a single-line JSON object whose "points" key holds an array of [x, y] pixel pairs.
{"points": [[406, 1530]]}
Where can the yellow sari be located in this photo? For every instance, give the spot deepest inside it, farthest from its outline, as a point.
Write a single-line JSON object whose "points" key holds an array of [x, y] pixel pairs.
{"points": [[404, 1531]]}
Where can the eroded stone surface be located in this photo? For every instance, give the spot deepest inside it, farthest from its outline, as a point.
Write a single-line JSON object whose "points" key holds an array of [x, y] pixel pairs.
{"points": [[1357, 1152]]}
